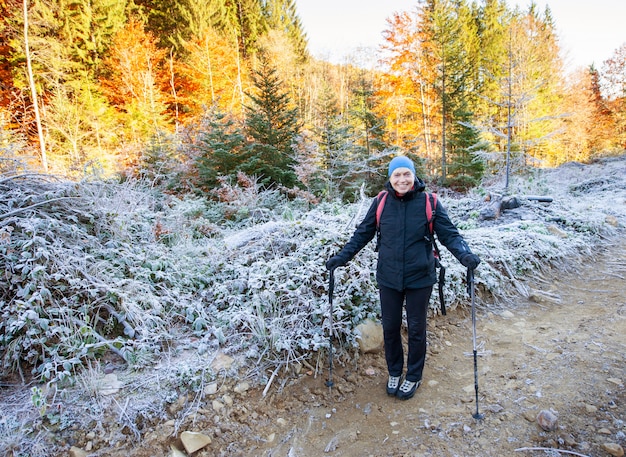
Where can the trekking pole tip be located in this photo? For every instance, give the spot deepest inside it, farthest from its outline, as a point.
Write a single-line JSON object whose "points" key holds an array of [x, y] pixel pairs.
{"points": [[329, 383], [478, 416]]}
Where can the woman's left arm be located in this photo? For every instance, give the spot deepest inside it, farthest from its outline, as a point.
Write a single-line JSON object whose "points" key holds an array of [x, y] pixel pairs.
{"points": [[450, 237]]}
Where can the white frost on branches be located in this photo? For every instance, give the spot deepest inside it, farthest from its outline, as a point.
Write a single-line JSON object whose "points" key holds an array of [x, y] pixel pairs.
{"points": [[96, 267]]}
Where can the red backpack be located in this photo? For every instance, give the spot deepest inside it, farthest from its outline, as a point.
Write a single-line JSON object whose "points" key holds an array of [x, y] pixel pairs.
{"points": [[431, 211]]}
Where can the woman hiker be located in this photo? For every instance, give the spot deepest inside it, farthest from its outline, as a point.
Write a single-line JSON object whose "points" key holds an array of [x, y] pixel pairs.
{"points": [[406, 267]]}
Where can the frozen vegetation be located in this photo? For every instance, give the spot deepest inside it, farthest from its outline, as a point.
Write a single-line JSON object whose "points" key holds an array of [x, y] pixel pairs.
{"points": [[95, 268], [121, 279]]}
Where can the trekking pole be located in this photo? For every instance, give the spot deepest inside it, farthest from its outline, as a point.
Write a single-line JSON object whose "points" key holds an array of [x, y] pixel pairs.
{"points": [[470, 289], [331, 287]]}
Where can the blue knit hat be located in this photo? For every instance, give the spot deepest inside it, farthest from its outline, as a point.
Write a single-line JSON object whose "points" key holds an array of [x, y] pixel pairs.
{"points": [[401, 162]]}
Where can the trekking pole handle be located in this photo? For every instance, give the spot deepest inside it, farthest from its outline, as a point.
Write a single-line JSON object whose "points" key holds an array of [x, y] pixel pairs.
{"points": [[470, 281]]}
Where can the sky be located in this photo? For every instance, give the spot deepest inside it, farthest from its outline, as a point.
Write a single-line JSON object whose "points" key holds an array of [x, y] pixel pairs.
{"points": [[589, 31]]}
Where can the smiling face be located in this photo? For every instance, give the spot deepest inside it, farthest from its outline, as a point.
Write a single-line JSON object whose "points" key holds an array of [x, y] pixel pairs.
{"points": [[402, 180]]}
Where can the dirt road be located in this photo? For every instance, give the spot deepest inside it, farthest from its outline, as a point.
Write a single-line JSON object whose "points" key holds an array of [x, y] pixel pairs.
{"points": [[564, 352]]}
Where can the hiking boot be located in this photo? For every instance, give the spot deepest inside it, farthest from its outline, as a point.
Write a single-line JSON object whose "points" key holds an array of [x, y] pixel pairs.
{"points": [[407, 389], [392, 385]]}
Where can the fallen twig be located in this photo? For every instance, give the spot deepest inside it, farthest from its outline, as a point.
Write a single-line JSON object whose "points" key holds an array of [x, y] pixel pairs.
{"points": [[269, 383], [124, 414], [128, 329], [522, 290], [103, 340], [34, 205], [8, 178], [123, 410], [550, 449]]}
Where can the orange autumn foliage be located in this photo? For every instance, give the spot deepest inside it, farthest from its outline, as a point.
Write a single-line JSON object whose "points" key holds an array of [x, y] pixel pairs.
{"points": [[136, 69], [210, 75]]}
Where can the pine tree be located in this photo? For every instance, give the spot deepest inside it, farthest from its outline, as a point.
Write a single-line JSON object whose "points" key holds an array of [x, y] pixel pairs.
{"points": [[336, 146], [163, 19], [362, 110], [272, 123], [218, 148], [452, 51], [88, 27], [466, 168], [244, 19], [492, 21]]}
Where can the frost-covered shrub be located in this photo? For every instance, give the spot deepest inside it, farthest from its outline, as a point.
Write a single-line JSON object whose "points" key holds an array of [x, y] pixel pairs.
{"points": [[89, 268], [83, 274]]}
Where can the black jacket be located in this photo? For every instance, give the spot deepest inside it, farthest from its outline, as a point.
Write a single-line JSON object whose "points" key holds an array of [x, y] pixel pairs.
{"points": [[405, 255]]}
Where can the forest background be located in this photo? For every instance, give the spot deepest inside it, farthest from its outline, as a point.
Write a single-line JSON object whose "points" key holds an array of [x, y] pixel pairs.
{"points": [[189, 93], [174, 174]]}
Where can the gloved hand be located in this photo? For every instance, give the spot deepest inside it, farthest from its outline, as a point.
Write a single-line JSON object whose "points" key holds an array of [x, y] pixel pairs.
{"points": [[470, 261], [334, 262]]}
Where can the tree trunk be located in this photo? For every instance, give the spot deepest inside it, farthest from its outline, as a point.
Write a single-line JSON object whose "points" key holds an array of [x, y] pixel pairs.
{"points": [[443, 118], [33, 91], [508, 118], [425, 121]]}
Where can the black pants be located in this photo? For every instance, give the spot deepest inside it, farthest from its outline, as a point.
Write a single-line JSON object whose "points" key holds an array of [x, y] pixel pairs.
{"points": [[391, 302]]}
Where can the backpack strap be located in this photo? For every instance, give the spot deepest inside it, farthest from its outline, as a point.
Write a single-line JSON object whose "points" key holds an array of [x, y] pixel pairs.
{"points": [[431, 211], [431, 208], [380, 198]]}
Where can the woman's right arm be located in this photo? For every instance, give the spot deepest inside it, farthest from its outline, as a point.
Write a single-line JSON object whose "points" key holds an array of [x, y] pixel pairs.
{"points": [[363, 234]]}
